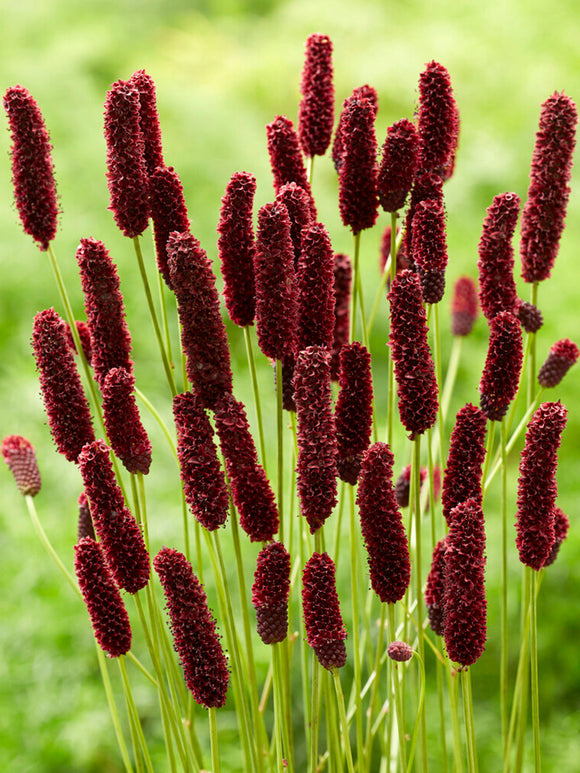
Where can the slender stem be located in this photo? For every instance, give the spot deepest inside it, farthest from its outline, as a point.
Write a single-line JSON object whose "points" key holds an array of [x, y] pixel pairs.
{"points": [[309, 168], [453, 686], [416, 473], [280, 435], [532, 336], [355, 284], [451, 375], [315, 715], [256, 393], [468, 719], [504, 659], [534, 671], [397, 693], [354, 575], [375, 689], [420, 712], [134, 715], [343, 721], [215, 757]]}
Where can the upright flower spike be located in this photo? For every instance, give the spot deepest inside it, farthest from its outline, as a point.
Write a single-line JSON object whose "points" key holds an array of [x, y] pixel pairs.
{"points": [[125, 431], [465, 628], [270, 592], [250, 487], [537, 488], [168, 212], [297, 203], [497, 288], [414, 369], [117, 529], [563, 354], [108, 615], [325, 631], [427, 186], [437, 119], [204, 485], [19, 455], [67, 408], [85, 522], [561, 526], [501, 373], [545, 209], [126, 168], [382, 527], [529, 316], [32, 167], [315, 283], [362, 92], [194, 630], [435, 589], [237, 248], [463, 306], [342, 287], [316, 111], [286, 158], [398, 165], [203, 333], [148, 119], [429, 248]]}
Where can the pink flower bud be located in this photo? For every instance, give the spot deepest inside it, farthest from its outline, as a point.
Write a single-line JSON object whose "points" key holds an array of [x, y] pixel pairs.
{"points": [[497, 288], [19, 455], [399, 651], [530, 317], [316, 111], [325, 631]]}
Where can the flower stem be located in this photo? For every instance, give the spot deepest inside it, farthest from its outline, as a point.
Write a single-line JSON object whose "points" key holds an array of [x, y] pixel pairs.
{"points": [[256, 393], [354, 576], [215, 758], [343, 721], [397, 693], [534, 671]]}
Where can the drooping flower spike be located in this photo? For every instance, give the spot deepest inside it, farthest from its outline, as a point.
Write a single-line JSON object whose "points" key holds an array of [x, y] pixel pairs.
{"points": [[315, 285], [563, 354], [342, 287], [19, 455], [437, 119], [149, 120], [125, 431], [501, 373], [168, 212], [286, 158], [429, 248], [398, 165], [270, 592], [325, 630], [316, 111], [463, 306]]}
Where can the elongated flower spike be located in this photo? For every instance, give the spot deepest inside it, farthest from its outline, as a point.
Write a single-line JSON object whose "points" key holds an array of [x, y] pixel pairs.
{"points": [[67, 408], [108, 615], [361, 92], [530, 317], [537, 488], [32, 167], [84, 335], [429, 248], [342, 287], [270, 592], [427, 186], [563, 354], [194, 630], [19, 455], [316, 111], [85, 522], [545, 209], [149, 120], [435, 589], [437, 119], [315, 284], [325, 631], [297, 204], [168, 212], [125, 431], [561, 526], [501, 372], [286, 158], [398, 165], [463, 306]]}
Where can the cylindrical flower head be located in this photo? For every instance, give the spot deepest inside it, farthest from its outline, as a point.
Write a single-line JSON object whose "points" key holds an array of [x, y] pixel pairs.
{"points": [[437, 119], [342, 287], [497, 288], [108, 615], [316, 469], [32, 168], [501, 373], [149, 120], [399, 651], [414, 369], [315, 284], [168, 212], [530, 317], [85, 523], [250, 487], [537, 487], [545, 210], [203, 333], [125, 431], [194, 630], [353, 413], [398, 165], [357, 181], [462, 478], [465, 603], [67, 408], [288, 365], [427, 186], [126, 169], [435, 589], [286, 158], [276, 306], [84, 335], [403, 484], [204, 485], [382, 527], [297, 203], [361, 92], [316, 111], [463, 306], [110, 337], [561, 526], [563, 354], [237, 247], [117, 529], [325, 631], [429, 248], [19, 455], [270, 592]]}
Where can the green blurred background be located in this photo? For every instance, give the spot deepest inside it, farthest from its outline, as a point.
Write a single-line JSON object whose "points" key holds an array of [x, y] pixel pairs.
{"points": [[223, 69]]}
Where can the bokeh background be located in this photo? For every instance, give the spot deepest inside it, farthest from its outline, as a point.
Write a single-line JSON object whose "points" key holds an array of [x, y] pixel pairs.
{"points": [[223, 69]]}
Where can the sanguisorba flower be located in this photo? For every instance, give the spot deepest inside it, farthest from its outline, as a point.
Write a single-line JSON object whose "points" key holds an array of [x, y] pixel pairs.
{"points": [[297, 203], [429, 248], [437, 118], [561, 526], [463, 306], [497, 288], [316, 111], [426, 186], [563, 354], [194, 630], [19, 455], [125, 431], [315, 285], [85, 338], [149, 120], [399, 651], [530, 316], [32, 167], [435, 589], [325, 631], [286, 158], [270, 592], [342, 288], [398, 165], [361, 92], [501, 372], [168, 212], [85, 522], [537, 488]]}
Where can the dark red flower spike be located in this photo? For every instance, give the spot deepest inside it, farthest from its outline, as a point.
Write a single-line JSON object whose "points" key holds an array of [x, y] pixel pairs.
{"points": [[561, 526], [382, 527], [342, 288], [67, 408], [537, 488], [297, 203], [237, 248], [194, 630], [316, 111], [437, 119], [149, 120], [530, 317], [84, 335], [427, 186], [125, 431], [19, 455], [435, 589], [32, 168], [362, 92], [398, 165], [108, 615], [501, 373], [563, 354], [429, 248], [325, 631], [286, 158], [168, 212], [403, 485], [315, 283], [463, 306], [85, 523], [270, 592]]}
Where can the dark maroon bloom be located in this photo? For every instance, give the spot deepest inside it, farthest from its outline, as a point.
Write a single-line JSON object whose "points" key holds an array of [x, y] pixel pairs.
{"points": [[385, 253], [149, 120], [545, 210], [117, 529], [236, 248], [32, 168], [501, 373], [125, 431], [275, 283], [463, 306], [297, 203], [414, 369], [465, 603], [427, 186], [437, 119], [497, 288], [19, 455], [108, 615], [403, 485], [168, 212], [537, 487], [203, 333], [399, 651], [462, 479], [126, 169], [316, 111], [353, 413], [342, 286], [561, 526], [435, 589], [286, 158], [315, 282], [203, 480], [563, 354], [194, 630], [85, 523], [429, 248], [84, 335], [270, 592], [398, 165], [110, 337], [68, 412], [362, 92], [530, 317], [250, 487], [449, 168], [325, 631]]}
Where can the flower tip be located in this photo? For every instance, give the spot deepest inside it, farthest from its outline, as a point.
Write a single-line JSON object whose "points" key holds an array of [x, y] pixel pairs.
{"points": [[19, 455]]}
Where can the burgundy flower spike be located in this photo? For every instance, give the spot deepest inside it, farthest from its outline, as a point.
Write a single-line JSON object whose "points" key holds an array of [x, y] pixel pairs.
{"points": [[342, 287], [398, 165], [125, 431], [361, 92], [497, 288], [463, 306], [148, 119], [563, 354], [435, 589], [286, 158], [19, 455], [270, 592], [561, 526], [316, 111], [315, 283], [501, 373], [297, 203], [429, 248], [437, 120], [325, 631], [168, 212]]}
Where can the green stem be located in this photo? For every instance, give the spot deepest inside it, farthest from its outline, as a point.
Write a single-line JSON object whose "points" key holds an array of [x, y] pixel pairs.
{"points": [[397, 693], [416, 473], [315, 715], [215, 757], [280, 435], [468, 720], [343, 721], [134, 715], [354, 576], [534, 671], [256, 393], [504, 661], [355, 284], [420, 713], [453, 689]]}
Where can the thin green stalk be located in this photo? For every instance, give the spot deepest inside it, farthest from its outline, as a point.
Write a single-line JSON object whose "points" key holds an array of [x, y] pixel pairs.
{"points": [[315, 716], [453, 689], [113, 709], [165, 321], [451, 375], [437, 363], [256, 393], [354, 576], [332, 726], [281, 699], [355, 284], [398, 696], [391, 367], [215, 757], [338, 527], [280, 436], [532, 336], [468, 719], [488, 450], [420, 710], [134, 721], [504, 659], [534, 671], [375, 690], [343, 722], [309, 168], [379, 296], [416, 474]]}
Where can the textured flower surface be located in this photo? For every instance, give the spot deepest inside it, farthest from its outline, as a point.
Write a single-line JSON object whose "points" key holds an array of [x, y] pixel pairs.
{"points": [[286, 158], [463, 306], [530, 317], [85, 338], [427, 186], [497, 288], [297, 203], [270, 592], [561, 526], [125, 431], [361, 92], [563, 354], [437, 119], [342, 289], [399, 651], [316, 111], [148, 120], [168, 212], [429, 248], [19, 455], [315, 284], [398, 165], [85, 524], [501, 372], [435, 589], [325, 631]]}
